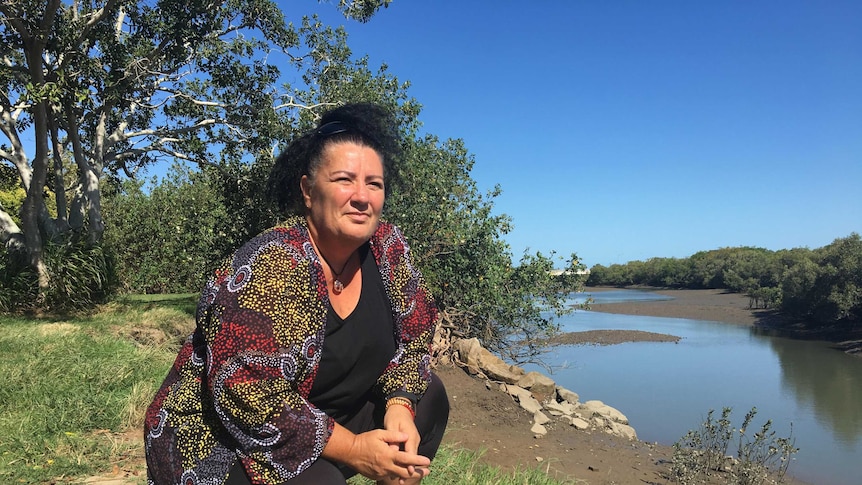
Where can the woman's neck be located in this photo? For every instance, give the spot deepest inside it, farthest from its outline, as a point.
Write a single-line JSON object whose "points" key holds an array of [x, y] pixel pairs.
{"points": [[335, 253]]}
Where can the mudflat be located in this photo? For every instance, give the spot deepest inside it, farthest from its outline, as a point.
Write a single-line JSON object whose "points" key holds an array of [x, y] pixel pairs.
{"points": [[712, 305]]}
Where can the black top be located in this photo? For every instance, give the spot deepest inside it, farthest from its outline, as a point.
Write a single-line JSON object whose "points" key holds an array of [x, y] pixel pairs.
{"points": [[357, 348]]}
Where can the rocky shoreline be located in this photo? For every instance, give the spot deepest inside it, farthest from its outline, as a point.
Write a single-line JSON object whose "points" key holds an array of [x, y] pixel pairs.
{"points": [[539, 395]]}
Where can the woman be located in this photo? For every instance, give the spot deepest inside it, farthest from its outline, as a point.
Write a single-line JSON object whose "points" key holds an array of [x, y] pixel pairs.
{"points": [[310, 359]]}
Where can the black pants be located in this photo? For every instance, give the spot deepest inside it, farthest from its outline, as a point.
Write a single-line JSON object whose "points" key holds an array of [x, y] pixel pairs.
{"points": [[432, 414]]}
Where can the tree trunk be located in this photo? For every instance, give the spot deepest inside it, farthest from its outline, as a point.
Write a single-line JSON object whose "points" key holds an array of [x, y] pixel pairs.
{"points": [[10, 234], [34, 203], [94, 213], [88, 178], [32, 236], [62, 222]]}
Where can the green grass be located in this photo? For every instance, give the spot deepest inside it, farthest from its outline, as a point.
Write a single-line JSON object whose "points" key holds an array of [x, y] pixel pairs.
{"points": [[74, 390], [457, 465], [72, 387]]}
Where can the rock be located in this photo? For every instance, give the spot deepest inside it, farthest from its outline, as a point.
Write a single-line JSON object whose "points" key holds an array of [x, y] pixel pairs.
{"points": [[475, 356], [602, 409], [623, 430], [560, 408], [524, 387], [538, 430], [468, 351], [517, 392], [540, 418], [530, 404], [617, 416], [538, 383], [524, 397], [500, 371], [568, 396], [579, 423]]}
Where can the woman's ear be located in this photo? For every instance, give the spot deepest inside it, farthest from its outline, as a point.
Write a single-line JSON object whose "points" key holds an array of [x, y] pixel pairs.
{"points": [[305, 186]]}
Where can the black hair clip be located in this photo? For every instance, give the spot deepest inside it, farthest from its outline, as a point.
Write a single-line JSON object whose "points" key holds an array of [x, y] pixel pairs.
{"points": [[331, 128]]}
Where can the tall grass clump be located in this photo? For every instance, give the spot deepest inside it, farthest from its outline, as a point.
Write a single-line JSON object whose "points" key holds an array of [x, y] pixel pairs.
{"points": [[760, 458], [18, 283], [80, 277]]}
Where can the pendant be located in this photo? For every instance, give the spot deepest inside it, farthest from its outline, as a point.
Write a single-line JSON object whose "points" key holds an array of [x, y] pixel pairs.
{"points": [[337, 287]]}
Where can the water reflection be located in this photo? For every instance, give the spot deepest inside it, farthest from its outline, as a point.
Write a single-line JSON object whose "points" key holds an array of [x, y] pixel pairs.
{"points": [[829, 382]]}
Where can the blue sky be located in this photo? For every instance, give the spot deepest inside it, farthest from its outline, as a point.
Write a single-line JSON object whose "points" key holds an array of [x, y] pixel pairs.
{"points": [[627, 130]]}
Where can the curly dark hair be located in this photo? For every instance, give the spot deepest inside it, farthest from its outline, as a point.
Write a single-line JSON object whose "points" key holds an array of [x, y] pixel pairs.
{"points": [[365, 124]]}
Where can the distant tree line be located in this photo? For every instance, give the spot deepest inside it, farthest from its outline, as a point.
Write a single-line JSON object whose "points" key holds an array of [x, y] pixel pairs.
{"points": [[821, 286]]}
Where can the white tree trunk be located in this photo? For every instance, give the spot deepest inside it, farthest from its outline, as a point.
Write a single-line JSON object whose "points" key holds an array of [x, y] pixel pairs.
{"points": [[11, 235]]}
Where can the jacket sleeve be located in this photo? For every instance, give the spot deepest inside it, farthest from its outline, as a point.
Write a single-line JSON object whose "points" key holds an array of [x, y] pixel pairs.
{"points": [[414, 312], [262, 321]]}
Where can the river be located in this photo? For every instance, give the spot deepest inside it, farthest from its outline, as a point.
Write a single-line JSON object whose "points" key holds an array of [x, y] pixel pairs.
{"points": [[807, 389]]}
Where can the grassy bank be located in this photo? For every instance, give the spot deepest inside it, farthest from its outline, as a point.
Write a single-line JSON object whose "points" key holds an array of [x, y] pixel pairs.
{"points": [[74, 391]]}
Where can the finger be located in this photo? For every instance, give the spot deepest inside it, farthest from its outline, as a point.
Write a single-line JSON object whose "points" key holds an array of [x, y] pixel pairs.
{"points": [[405, 459], [412, 444], [394, 436], [411, 473]]}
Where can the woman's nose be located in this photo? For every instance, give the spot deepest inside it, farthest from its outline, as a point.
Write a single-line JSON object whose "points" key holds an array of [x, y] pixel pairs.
{"points": [[360, 194]]}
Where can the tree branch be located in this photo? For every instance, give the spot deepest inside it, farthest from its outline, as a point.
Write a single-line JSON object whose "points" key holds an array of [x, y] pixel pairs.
{"points": [[14, 19], [118, 136], [95, 18], [174, 94], [293, 104], [120, 156]]}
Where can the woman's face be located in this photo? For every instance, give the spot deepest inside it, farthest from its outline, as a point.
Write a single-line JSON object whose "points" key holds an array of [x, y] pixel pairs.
{"points": [[345, 198]]}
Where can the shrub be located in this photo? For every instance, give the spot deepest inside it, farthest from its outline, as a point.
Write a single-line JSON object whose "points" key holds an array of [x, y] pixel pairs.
{"points": [[80, 276], [702, 453]]}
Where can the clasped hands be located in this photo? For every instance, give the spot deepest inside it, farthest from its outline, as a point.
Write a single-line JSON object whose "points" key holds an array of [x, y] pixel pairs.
{"points": [[388, 455]]}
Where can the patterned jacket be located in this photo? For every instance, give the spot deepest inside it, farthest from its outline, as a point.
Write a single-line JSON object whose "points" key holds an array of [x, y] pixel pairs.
{"points": [[240, 383]]}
